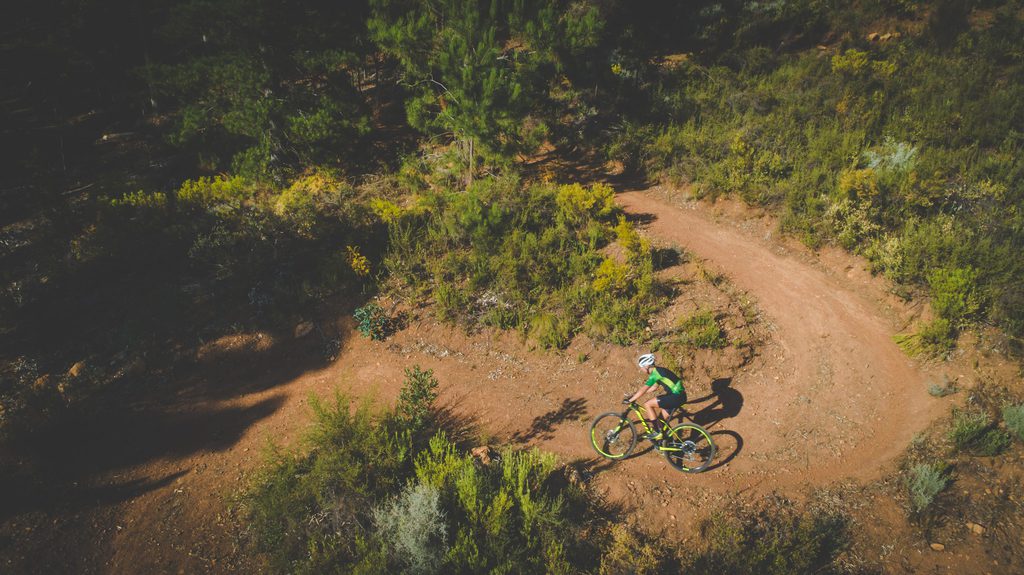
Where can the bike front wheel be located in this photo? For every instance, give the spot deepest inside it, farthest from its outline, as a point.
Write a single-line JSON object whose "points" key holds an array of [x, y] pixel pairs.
{"points": [[612, 435], [688, 448]]}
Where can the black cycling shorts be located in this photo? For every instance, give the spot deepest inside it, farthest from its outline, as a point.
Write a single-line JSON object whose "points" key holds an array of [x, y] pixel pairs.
{"points": [[671, 401]]}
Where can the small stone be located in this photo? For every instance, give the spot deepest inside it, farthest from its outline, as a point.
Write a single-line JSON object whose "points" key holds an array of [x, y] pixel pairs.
{"points": [[483, 453], [43, 382], [977, 529], [937, 546], [77, 370], [303, 329]]}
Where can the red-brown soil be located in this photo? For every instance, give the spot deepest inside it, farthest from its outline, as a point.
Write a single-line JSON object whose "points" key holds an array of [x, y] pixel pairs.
{"points": [[828, 400]]}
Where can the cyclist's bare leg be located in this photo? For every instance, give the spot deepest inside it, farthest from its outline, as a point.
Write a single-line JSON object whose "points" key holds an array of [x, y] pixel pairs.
{"points": [[652, 409]]}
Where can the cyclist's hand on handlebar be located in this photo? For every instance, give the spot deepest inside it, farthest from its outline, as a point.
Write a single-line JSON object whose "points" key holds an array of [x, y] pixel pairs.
{"points": [[626, 399]]}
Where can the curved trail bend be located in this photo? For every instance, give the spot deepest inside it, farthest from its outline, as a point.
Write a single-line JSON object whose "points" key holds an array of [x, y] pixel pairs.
{"points": [[840, 399]]}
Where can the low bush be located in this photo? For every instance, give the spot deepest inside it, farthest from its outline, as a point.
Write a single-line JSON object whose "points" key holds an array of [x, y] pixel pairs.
{"points": [[702, 330], [628, 554], [932, 338], [774, 538], [967, 428], [412, 530], [942, 389], [991, 443], [925, 482], [374, 322], [1013, 417], [416, 400]]}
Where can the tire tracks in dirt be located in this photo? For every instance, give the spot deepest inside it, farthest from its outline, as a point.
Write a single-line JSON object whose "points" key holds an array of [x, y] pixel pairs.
{"points": [[840, 400]]}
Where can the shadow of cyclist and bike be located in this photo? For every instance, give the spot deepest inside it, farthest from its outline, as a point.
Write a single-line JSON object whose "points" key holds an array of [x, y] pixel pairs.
{"points": [[726, 403]]}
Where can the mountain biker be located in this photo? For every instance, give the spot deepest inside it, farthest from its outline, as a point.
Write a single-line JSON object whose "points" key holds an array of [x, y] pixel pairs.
{"points": [[674, 397]]}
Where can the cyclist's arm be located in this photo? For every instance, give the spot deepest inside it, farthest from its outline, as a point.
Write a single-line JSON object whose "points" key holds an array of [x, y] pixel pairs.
{"points": [[644, 388]]}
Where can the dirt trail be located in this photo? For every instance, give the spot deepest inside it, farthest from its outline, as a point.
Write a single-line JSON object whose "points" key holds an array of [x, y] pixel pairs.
{"points": [[841, 400], [829, 397]]}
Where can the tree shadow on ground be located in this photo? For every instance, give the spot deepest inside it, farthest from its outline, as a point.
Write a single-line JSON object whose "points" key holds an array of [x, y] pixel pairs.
{"points": [[461, 428], [640, 219], [174, 415], [90, 447], [543, 426], [665, 258], [25, 494]]}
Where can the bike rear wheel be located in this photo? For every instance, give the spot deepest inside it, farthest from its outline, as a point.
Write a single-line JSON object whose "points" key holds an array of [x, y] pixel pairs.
{"points": [[688, 448], [612, 435]]}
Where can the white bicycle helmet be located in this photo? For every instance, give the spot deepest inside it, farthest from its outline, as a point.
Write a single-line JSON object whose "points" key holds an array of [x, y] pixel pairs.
{"points": [[645, 360]]}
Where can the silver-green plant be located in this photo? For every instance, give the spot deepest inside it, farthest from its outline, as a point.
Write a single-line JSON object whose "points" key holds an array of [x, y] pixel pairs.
{"points": [[1013, 417], [412, 528], [925, 482]]}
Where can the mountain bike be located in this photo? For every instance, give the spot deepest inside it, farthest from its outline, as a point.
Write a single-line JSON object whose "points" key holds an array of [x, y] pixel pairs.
{"points": [[688, 447]]}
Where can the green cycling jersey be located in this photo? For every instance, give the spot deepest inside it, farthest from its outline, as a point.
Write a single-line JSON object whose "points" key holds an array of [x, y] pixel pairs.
{"points": [[670, 381]]}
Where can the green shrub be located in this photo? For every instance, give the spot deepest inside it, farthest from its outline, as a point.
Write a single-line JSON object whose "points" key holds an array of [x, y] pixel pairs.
{"points": [[508, 513], [374, 322], [451, 301], [932, 338], [772, 539], [967, 428], [925, 482], [1013, 417], [899, 152], [992, 442], [416, 400], [954, 295], [551, 331], [366, 494], [702, 330]]}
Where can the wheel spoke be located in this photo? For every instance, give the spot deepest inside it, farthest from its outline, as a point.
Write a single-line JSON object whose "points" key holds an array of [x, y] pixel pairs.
{"points": [[612, 436], [689, 448]]}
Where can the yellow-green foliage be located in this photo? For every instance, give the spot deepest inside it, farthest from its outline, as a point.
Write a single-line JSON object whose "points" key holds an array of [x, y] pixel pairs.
{"points": [[628, 554], [221, 189], [612, 277], [141, 199], [303, 195], [851, 62], [953, 293], [577, 203], [635, 246], [858, 184], [387, 211], [931, 338], [357, 261]]}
